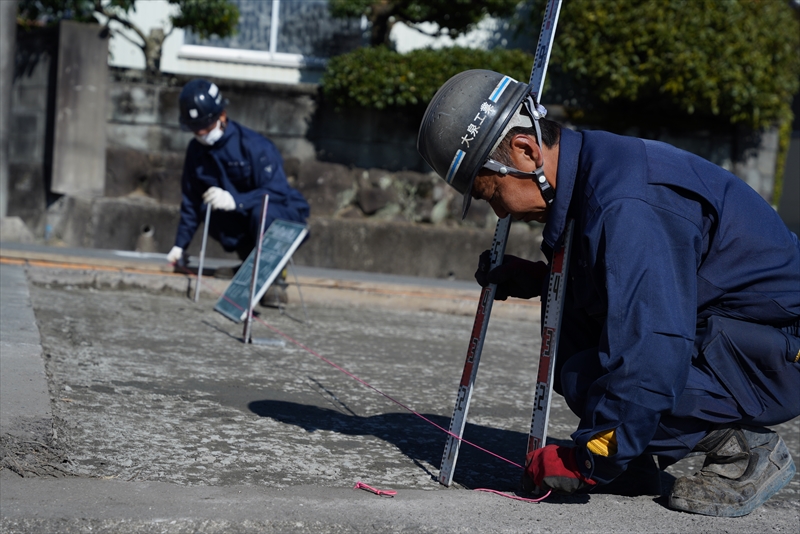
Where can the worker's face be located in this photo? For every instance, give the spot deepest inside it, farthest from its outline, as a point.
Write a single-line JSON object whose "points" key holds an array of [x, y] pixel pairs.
{"points": [[219, 122], [511, 195], [206, 131]]}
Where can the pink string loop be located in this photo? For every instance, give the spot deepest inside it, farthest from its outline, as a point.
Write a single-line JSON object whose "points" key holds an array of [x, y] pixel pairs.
{"points": [[376, 491], [514, 497]]}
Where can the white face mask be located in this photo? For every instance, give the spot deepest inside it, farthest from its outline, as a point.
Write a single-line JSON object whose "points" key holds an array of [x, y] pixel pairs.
{"points": [[211, 137]]}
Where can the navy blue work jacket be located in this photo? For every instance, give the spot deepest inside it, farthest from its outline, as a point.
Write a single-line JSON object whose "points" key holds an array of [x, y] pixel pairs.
{"points": [[244, 163], [663, 240]]}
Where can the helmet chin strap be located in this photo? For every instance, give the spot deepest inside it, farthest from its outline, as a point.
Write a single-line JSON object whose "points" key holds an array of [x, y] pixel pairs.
{"points": [[548, 193]]}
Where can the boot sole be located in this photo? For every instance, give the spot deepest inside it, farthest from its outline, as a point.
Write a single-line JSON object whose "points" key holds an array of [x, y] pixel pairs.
{"points": [[778, 481]]}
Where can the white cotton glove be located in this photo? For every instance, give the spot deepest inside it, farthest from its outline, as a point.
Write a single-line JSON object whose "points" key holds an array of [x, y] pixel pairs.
{"points": [[175, 254], [219, 199]]}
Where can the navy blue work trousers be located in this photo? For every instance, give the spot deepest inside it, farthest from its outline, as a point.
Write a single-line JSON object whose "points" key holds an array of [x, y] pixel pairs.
{"points": [[741, 373], [238, 232]]}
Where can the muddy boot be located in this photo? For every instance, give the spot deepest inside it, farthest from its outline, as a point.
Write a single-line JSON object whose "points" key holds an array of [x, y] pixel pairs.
{"points": [[276, 296], [743, 468]]}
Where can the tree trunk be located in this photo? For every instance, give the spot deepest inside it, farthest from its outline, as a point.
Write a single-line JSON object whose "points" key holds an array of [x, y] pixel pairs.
{"points": [[381, 20], [152, 50]]}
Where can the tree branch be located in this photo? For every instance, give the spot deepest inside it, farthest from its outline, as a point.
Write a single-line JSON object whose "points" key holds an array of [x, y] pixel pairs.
{"points": [[125, 36], [98, 7]]}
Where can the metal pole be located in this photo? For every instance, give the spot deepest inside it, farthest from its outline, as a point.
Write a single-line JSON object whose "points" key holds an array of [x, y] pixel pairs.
{"points": [[273, 26], [202, 254], [254, 281]]}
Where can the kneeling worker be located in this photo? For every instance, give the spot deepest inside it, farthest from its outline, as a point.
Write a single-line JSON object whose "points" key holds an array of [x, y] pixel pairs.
{"points": [[681, 325], [229, 168]]}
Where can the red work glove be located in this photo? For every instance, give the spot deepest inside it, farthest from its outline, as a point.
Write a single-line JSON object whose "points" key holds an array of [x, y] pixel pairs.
{"points": [[553, 468], [514, 278]]}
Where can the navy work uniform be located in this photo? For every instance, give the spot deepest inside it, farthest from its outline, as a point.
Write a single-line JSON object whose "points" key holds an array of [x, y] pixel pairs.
{"points": [[247, 165], [683, 303]]}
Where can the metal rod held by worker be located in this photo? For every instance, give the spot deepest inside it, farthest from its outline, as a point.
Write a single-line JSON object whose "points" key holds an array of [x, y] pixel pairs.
{"points": [[254, 282], [202, 254]]}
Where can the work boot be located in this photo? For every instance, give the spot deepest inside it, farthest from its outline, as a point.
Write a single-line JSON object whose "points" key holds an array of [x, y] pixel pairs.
{"points": [[743, 468], [276, 296]]}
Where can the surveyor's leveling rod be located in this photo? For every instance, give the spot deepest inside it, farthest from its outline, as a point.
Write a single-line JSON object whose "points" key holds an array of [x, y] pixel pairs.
{"points": [[551, 328], [459, 419]]}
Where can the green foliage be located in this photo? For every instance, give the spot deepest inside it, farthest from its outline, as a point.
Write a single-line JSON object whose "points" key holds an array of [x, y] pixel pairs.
{"points": [[380, 78], [735, 60], [454, 17], [31, 12], [207, 17], [784, 138]]}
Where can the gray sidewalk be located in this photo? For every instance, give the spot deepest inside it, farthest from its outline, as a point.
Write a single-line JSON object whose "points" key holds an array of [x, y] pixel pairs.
{"points": [[24, 398], [166, 422]]}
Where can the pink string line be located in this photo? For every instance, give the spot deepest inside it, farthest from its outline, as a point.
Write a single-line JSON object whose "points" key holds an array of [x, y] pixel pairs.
{"points": [[514, 497], [362, 382], [376, 491]]}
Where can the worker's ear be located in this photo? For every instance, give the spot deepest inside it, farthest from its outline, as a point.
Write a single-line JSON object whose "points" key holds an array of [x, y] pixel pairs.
{"points": [[525, 152], [223, 116]]}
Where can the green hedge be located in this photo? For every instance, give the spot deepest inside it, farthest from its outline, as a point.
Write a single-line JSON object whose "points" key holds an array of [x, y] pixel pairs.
{"points": [[734, 61], [380, 78]]}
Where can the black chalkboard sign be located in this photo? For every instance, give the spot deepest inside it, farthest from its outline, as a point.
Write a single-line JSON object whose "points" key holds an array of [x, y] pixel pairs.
{"points": [[280, 241]]}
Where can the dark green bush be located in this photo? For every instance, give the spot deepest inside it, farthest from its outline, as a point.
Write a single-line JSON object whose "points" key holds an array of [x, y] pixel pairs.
{"points": [[736, 61], [380, 78]]}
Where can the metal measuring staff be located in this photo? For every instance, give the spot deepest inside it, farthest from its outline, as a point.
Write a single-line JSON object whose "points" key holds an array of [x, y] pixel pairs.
{"points": [[459, 419], [202, 254], [551, 331], [254, 282]]}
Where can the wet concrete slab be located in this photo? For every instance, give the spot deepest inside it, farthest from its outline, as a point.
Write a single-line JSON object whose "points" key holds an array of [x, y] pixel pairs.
{"points": [[154, 387], [153, 394]]}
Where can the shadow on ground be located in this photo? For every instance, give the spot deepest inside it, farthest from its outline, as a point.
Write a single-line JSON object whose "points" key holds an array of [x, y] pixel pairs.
{"points": [[417, 439]]}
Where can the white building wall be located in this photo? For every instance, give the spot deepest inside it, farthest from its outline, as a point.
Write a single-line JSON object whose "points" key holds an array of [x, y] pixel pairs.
{"points": [[154, 14], [255, 65], [485, 35]]}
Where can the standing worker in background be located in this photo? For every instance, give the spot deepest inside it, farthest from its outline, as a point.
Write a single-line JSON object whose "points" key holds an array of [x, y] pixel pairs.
{"points": [[229, 168], [681, 325]]}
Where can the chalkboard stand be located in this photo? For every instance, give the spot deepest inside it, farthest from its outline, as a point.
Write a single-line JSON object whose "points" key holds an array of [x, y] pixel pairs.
{"points": [[268, 258]]}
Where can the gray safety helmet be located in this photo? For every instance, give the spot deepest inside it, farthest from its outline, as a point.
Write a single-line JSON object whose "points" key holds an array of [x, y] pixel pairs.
{"points": [[463, 124], [200, 104]]}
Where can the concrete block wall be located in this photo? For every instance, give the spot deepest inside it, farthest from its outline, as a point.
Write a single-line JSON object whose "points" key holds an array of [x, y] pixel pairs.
{"points": [[143, 112]]}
